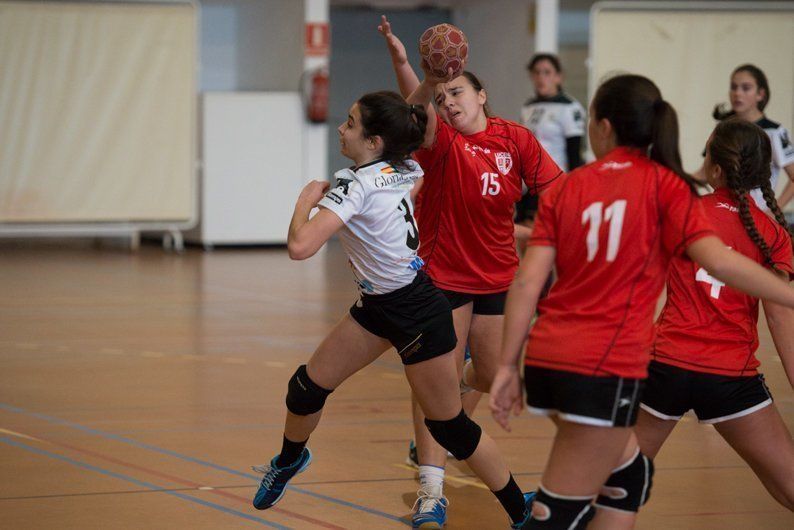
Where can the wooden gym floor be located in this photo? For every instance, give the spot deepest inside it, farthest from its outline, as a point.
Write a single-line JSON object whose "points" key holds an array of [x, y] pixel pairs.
{"points": [[136, 389]]}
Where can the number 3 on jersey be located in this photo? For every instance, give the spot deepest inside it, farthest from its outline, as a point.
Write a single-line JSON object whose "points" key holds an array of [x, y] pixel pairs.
{"points": [[594, 214], [412, 241], [490, 186]]}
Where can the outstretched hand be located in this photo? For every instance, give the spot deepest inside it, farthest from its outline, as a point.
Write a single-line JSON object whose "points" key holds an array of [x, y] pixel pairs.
{"points": [[396, 47], [506, 396]]}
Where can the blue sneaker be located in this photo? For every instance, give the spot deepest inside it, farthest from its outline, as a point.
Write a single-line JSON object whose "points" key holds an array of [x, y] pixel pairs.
{"points": [[431, 512], [274, 483], [528, 499]]}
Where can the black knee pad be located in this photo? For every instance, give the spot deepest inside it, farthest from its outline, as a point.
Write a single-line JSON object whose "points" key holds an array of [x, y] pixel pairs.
{"points": [[629, 486], [460, 435], [304, 396], [561, 512]]}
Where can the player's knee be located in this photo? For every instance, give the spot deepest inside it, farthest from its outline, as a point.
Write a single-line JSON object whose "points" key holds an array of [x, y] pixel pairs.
{"points": [[304, 396], [551, 511], [629, 486], [460, 435]]}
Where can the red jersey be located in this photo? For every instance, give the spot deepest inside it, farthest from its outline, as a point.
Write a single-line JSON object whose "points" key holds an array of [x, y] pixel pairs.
{"points": [[706, 326], [615, 224], [465, 206]]}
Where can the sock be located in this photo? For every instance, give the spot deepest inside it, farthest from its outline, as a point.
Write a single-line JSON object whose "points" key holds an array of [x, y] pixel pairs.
{"points": [[431, 479], [290, 452], [512, 500]]}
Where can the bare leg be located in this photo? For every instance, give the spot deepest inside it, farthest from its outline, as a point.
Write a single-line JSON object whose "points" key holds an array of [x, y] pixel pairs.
{"points": [[485, 340], [763, 441], [581, 460], [652, 432], [428, 451], [347, 349], [614, 520], [435, 385]]}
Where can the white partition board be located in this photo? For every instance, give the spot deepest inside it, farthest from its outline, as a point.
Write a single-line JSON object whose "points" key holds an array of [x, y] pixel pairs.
{"points": [[689, 49], [253, 167]]}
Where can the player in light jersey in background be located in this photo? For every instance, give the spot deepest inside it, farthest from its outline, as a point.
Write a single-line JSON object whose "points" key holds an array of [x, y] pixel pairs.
{"points": [[370, 208], [556, 120], [475, 167], [610, 228], [749, 96], [703, 357]]}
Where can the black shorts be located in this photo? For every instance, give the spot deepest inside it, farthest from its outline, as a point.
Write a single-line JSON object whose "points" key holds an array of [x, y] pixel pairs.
{"points": [[672, 391], [484, 304], [585, 399], [416, 319]]}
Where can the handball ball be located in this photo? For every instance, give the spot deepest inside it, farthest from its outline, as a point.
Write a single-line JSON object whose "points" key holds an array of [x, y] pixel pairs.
{"points": [[443, 47]]}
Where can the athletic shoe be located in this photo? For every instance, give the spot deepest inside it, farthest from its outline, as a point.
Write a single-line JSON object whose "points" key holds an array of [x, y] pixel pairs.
{"points": [[274, 483], [413, 457], [431, 512], [528, 499]]}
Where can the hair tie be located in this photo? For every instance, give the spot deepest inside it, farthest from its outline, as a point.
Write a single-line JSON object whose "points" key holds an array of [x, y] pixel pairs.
{"points": [[412, 110]]}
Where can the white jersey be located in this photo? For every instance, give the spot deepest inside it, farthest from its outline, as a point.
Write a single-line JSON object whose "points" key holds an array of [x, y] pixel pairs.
{"points": [[782, 154], [380, 235], [552, 121]]}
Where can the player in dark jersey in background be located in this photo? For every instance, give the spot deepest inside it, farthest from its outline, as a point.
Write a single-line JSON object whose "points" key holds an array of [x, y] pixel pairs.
{"points": [[610, 228], [703, 357], [475, 168]]}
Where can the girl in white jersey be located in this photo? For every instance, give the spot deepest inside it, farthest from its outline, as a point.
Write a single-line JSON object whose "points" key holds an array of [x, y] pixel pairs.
{"points": [[749, 95], [370, 206]]}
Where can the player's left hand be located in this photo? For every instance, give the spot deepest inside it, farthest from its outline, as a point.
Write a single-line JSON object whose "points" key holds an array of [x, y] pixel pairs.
{"points": [[313, 192], [506, 396]]}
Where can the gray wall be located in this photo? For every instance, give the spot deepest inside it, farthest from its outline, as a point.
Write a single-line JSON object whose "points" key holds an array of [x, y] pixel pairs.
{"points": [[251, 45], [360, 62]]}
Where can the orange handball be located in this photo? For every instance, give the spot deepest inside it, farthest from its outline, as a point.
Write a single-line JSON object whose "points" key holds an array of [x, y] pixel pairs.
{"points": [[443, 47]]}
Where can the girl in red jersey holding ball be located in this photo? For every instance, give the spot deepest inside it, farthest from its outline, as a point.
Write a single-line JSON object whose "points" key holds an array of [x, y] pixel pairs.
{"points": [[476, 166], [610, 228], [703, 356]]}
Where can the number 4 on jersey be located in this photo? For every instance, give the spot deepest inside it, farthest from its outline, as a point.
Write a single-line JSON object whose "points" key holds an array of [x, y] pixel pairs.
{"points": [[614, 215], [702, 276]]}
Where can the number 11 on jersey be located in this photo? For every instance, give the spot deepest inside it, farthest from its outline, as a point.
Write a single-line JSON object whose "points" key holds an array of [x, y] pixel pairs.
{"points": [[595, 214]]}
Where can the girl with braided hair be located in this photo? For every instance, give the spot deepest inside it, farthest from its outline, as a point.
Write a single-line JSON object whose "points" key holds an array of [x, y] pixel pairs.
{"points": [[703, 356]]}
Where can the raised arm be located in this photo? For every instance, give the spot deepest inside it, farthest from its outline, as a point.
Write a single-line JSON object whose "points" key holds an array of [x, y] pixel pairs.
{"points": [[407, 79], [307, 236], [739, 271]]}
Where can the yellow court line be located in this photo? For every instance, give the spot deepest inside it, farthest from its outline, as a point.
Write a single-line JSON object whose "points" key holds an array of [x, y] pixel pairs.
{"points": [[449, 478], [19, 435]]}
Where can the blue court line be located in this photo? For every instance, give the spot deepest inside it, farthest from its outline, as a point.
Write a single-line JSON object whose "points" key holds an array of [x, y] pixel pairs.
{"points": [[130, 441], [147, 485]]}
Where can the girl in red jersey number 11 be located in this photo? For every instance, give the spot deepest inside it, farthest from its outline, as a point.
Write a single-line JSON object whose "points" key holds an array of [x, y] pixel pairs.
{"points": [[610, 228]]}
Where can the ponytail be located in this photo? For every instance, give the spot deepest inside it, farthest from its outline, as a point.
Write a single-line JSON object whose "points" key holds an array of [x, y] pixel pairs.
{"points": [[640, 118], [664, 140], [401, 126]]}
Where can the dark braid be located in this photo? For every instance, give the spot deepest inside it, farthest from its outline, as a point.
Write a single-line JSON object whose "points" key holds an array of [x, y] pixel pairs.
{"points": [[774, 207], [749, 225], [743, 151]]}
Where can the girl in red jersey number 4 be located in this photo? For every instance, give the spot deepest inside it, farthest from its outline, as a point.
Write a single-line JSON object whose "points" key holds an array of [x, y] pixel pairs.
{"points": [[610, 228], [475, 168], [703, 357]]}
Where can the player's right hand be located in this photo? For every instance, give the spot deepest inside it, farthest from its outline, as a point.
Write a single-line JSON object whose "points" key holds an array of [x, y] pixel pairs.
{"points": [[395, 45], [506, 396], [313, 192]]}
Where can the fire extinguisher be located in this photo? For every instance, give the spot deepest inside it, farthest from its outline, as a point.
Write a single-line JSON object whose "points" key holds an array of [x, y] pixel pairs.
{"points": [[317, 105]]}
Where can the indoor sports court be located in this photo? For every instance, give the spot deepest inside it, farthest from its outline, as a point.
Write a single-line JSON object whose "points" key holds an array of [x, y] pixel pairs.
{"points": [[152, 154]]}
